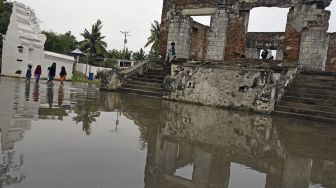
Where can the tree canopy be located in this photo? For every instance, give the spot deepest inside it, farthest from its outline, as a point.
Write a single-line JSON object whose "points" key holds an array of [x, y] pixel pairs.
{"points": [[93, 41], [153, 39], [60, 43]]}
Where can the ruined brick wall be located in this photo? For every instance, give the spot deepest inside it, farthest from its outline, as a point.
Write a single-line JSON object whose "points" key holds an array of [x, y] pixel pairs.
{"points": [[258, 41], [331, 58], [180, 32], [179, 5], [199, 41], [217, 35], [236, 35]]}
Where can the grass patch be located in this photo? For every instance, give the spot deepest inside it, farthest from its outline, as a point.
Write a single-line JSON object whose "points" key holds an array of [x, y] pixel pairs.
{"points": [[81, 78]]}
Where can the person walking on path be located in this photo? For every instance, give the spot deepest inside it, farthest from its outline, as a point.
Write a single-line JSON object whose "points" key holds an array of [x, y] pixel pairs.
{"points": [[62, 75], [37, 73], [52, 73], [29, 73]]}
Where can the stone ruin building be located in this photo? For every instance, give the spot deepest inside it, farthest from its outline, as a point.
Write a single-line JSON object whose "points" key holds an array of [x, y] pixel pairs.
{"points": [[219, 65], [305, 41]]}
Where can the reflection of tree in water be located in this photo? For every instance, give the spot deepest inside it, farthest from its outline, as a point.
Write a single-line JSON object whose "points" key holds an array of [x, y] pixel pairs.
{"points": [[10, 165], [87, 111], [143, 138]]}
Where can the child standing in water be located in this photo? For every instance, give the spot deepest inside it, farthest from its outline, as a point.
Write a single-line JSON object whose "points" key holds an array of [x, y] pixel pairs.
{"points": [[63, 75], [29, 73], [52, 73], [37, 73]]}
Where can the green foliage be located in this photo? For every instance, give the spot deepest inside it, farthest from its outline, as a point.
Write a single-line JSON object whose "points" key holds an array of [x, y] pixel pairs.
{"points": [[140, 55], [60, 43], [153, 39], [93, 41], [78, 75], [5, 13], [153, 56]]}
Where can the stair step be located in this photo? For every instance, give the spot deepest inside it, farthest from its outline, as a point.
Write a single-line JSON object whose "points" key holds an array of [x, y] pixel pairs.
{"points": [[141, 92], [149, 80], [157, 73], [311, 117], [305, 111], [311, 101], [315, 84], [151, 76], [307, 106], [143, 87], [313, 90], [149, 84], [311, 95], [317, 77]]}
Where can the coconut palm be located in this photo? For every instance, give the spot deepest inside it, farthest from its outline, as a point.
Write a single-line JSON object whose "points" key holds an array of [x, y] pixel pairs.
{"points": [[153, 39], [93, 41]]}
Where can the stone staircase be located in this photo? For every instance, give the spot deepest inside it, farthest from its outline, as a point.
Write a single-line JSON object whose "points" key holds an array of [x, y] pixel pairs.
{"points": [[311, 96], [149, 83]]}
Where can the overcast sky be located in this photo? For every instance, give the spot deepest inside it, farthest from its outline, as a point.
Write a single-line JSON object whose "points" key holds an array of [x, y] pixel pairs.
{"points": [[135, 16]]}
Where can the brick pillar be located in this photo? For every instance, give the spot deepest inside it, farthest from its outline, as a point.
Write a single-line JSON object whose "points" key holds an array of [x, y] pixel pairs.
{"points": [[236, 35], [217, 36], [314, 40], [292, 39], [180, 32]]}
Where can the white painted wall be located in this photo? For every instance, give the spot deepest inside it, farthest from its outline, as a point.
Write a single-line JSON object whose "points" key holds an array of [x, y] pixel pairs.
{"points": [[81, 68], [23, 31]]}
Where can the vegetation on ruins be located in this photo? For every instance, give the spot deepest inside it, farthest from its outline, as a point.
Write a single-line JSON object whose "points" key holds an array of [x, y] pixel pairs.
{"points": [[93, 42]]}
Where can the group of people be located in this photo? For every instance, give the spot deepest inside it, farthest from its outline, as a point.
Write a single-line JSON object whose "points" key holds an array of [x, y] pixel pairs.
{"points": [[51, 74], [267, 54]]}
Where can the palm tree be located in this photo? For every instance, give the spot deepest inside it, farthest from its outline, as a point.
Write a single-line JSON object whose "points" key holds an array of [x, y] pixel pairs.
{"points": [[93, 41], [153, 39]]}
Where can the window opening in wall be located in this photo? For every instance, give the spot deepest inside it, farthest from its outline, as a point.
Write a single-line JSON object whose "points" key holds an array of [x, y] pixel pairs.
{"points": [[274, 54], [205, 20], [332, 21], [200, 31], [264, 19]]}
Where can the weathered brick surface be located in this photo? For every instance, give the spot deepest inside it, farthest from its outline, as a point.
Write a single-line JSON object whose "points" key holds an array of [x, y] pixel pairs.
{"points": [[217, 36], [199, 41], [236, 36], [331, 58], [304, 41], [257, 41]]}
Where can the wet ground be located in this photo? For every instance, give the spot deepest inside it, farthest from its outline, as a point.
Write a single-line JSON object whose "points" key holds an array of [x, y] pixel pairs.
{"points": [[78, 137]]}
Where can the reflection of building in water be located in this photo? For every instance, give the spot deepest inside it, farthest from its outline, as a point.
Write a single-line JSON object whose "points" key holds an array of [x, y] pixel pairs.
{"points": [[193, 146], [213, 140], [16, 116]]}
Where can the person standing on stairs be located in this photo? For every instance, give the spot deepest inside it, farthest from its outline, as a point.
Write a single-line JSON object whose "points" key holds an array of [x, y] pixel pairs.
{"points": [[171, 53]]}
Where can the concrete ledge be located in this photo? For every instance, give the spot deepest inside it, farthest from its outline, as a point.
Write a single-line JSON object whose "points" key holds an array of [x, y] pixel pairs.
{"points": [[199, 12]]}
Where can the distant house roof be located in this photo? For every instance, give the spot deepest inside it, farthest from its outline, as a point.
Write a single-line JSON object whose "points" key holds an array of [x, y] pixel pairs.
{"points": [[61, 56]]}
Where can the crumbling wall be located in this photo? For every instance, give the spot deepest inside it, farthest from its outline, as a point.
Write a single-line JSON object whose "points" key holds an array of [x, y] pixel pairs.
{"points": [[236, 34], [217, 35], [249, 89], [257, 41], [180, 32], [331, 58], [199, 41]]}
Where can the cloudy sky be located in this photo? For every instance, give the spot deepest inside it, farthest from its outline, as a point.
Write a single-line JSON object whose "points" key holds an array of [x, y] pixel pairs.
{"points": [[135, 16]]}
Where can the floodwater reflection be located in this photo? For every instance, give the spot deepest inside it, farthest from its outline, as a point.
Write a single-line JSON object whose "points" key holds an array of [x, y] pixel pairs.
{"points": [[133, 141]]}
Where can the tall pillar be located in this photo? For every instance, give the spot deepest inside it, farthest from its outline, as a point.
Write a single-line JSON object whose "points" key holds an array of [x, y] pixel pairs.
{"points": [[217, 36], [306, 39], [180, 32], [314, 41], [236, 35]]}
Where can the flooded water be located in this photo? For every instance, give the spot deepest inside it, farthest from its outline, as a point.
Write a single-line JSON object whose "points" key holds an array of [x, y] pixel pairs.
{"points": [[78, 137]]}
